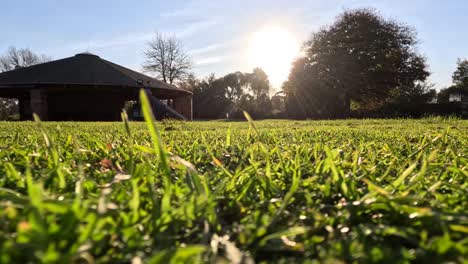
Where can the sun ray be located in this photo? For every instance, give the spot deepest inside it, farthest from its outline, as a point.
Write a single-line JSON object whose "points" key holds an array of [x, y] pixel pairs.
{"points": [[273, 49]]}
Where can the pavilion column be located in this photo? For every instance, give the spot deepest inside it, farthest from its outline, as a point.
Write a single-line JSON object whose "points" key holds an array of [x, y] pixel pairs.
{"points": [[38, 99], [183, 105], [22, 108]]}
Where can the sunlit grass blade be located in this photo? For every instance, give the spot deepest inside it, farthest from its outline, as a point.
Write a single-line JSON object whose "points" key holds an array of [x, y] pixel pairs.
{"points": [[251, 121], [404, 174], [154, 132], [212, 193], [179, 255]]}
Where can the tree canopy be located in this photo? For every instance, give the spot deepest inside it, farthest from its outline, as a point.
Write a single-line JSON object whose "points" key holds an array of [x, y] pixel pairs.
{"points": [[460, 82], [460, 76], [362, 57], [230, 95]]}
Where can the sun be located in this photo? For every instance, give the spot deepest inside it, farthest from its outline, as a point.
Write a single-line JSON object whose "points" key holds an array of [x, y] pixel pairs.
{"points": [[273, 49]]}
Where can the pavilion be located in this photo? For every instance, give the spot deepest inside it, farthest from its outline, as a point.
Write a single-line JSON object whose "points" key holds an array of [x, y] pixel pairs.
{"points": [[86, 87]]}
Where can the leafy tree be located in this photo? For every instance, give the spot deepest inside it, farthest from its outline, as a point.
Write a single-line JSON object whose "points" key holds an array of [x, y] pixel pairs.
{"points": [[460, 82], [209, 98], [409, 102], [167, 60], [190, 83], [14, 59], [215, 98], [278, 107], [307, 96], [443, 95], [460, 76], [362, 57], [260, 88], [449, 97], [235, 84]]}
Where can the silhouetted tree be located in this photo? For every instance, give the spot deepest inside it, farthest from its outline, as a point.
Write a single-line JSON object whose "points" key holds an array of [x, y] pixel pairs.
{"points": [[460, 76], [14, 59], [235, 84], [307, 96], [17, 58], [362, 57], [260, 87], [215, 98], [408, 102], [190, 83], [167, 60], [209, 98], [278, 107], [443, 95], [460, 83]]}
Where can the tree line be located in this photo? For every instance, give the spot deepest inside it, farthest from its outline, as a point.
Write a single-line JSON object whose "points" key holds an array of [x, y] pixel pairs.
{"points": [[362, 65], [228, 96], [460, 82]]}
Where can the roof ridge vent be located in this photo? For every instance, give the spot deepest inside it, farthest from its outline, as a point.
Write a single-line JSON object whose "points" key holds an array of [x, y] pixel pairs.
{"points": [[86, 54]]}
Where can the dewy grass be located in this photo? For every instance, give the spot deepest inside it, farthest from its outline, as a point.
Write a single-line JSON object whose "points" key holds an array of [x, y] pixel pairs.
{"points": [[259, 191]]}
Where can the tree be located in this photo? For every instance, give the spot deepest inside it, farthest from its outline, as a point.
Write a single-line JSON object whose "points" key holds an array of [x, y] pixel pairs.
{"points": [[460, 82], [235, 85], [306, 96], [230, 95], [260, 87], [213, 97], [209, 98], [459, 86], [443, 95], [460, 76], [14, 59], [362, 57], [278, 109], [167, 60], [18, 58], [409, 102], [190, 83]]}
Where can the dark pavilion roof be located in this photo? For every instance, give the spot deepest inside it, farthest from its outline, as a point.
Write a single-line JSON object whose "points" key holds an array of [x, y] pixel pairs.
{"points": [[82, 69]]}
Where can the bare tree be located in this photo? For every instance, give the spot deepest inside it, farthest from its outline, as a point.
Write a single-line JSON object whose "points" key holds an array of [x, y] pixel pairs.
{"points": [[18, 58], [11, 60], [167, 60]]}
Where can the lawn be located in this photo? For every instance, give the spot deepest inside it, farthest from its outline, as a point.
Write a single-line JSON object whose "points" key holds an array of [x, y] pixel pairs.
{"points": [[241, 192]]}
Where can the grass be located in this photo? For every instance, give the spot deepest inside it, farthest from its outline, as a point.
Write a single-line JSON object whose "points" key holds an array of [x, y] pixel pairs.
{"points": [[241, 192]]}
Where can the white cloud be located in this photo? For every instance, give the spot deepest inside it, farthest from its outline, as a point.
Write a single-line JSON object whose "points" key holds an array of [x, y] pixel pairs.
{"points": [[208, 48], [133, 40], [194, 8], [117, 42], [188, 30], [175, 13], [209, 60]]}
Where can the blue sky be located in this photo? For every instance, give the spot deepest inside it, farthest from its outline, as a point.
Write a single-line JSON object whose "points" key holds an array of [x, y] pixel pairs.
{"points": [[215, 33]]}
